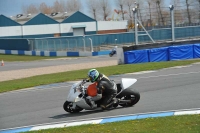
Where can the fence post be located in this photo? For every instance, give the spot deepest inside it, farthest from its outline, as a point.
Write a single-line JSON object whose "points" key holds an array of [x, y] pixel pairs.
{"points": [[91, 44], [67, 45], [42, 49], [171, 7], [135, 25], [54, 45], [76, 43], [84, 43], [47, 45]]}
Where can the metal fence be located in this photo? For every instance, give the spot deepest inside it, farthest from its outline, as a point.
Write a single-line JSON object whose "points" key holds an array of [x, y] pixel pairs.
{"points": [[182, 23], [149, 25], [79, 43]]}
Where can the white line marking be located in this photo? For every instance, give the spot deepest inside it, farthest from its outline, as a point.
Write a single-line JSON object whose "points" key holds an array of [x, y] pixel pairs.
{"points": [[98, 118], [178, 67], [187, 112], [169, 75], [65, 125], [142, 72]]}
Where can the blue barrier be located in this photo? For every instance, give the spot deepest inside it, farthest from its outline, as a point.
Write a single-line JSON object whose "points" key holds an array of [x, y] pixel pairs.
{"points": [[181, 52], [137, 56], [159, 54], [196, 50]]}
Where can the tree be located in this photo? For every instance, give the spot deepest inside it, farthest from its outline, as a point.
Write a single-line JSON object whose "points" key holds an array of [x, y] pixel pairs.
{"points": [[73, 5], [149, 5], [140, 6], [93, 7], [158, 2], [178, 15], [129, 4], [58, 7], [45, 9], [105, 8], [188, 11], [121, 4], [31, 9], [199, 9]]}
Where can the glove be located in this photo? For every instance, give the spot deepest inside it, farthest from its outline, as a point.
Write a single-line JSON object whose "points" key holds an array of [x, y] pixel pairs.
{"points": [[85, 80]]}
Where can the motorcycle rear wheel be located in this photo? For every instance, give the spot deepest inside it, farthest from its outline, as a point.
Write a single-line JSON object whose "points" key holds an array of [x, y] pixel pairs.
{"points": [[132, 95], [67, 106]]}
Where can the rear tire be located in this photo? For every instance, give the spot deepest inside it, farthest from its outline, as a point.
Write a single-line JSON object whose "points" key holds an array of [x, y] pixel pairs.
{"points": [[132, 95], [67, 106]]}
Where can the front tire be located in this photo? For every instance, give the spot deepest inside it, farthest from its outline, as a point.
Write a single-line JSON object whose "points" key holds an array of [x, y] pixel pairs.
{"points": [[67, 106]]}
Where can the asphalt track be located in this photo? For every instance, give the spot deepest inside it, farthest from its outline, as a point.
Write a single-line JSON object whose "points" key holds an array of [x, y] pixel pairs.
{"points": [[166, 89], [53, 62]]}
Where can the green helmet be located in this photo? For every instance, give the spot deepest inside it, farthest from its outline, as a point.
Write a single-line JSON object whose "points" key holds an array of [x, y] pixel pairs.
{"points": [[93, 74]]}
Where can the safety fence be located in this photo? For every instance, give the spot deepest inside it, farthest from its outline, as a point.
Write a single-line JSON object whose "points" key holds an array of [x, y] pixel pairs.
{"points": [[98, 42], [181, 52], [165, 17], [107, 41]]}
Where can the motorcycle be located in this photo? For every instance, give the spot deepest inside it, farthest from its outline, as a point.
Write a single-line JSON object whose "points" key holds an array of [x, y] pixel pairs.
{"points": [[113, 52], [77, 101]]}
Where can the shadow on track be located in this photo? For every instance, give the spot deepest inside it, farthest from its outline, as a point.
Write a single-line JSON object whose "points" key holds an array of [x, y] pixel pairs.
{"points": [[86, 112]]}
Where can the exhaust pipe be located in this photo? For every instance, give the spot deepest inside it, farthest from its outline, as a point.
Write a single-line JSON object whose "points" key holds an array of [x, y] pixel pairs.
{"points": [[125, 101]]}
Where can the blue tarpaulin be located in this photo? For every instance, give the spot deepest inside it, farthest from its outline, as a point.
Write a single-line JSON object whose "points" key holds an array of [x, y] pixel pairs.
{"points": [[196, 50], [159, 54], [137, 56], [181, 52]]}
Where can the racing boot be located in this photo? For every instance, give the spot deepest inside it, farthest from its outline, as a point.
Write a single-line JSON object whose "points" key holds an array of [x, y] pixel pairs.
{"points": [[91, 103], [115, 102]]}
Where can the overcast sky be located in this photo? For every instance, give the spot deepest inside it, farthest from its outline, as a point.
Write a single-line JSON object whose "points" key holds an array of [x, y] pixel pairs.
{"points": [[14, 7]]}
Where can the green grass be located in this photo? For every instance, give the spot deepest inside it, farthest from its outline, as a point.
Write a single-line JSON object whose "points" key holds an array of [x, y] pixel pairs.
{"points": [[172, 124], [80, 74], [10, 58]]}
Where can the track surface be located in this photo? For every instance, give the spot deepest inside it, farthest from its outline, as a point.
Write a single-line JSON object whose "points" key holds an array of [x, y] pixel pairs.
{"points": [[166, 89], [53, 62]]}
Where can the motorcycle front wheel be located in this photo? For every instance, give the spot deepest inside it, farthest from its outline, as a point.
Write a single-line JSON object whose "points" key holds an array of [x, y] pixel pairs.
{"points": [[67, 106]]}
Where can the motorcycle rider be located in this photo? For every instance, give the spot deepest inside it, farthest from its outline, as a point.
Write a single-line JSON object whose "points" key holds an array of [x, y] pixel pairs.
{"points": [[113, 51], [105, 88]]}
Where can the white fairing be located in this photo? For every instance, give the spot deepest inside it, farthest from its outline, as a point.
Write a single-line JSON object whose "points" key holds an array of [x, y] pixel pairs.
{"points": [[72, 96], [127, 82]]}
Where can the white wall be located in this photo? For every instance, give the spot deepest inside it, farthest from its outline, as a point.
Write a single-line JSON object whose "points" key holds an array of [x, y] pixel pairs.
{"points": [[111, 25], [63, 28], [41, 29], [10, 31], [67, 27]]}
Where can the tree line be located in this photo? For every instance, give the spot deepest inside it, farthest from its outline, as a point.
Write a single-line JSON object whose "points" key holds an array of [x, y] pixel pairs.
{"points": [[151, 11]]}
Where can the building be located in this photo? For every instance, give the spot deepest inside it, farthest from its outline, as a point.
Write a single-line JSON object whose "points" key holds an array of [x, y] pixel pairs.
{"points": [[56, 25]]}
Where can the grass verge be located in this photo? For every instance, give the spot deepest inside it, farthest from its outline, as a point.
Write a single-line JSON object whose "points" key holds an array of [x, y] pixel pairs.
{"points": [[172, 124], [80, 74]]}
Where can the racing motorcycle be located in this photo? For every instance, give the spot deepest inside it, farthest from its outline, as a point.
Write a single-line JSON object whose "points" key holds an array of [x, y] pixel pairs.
{"points": [[77, 101], [113, 52]]}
